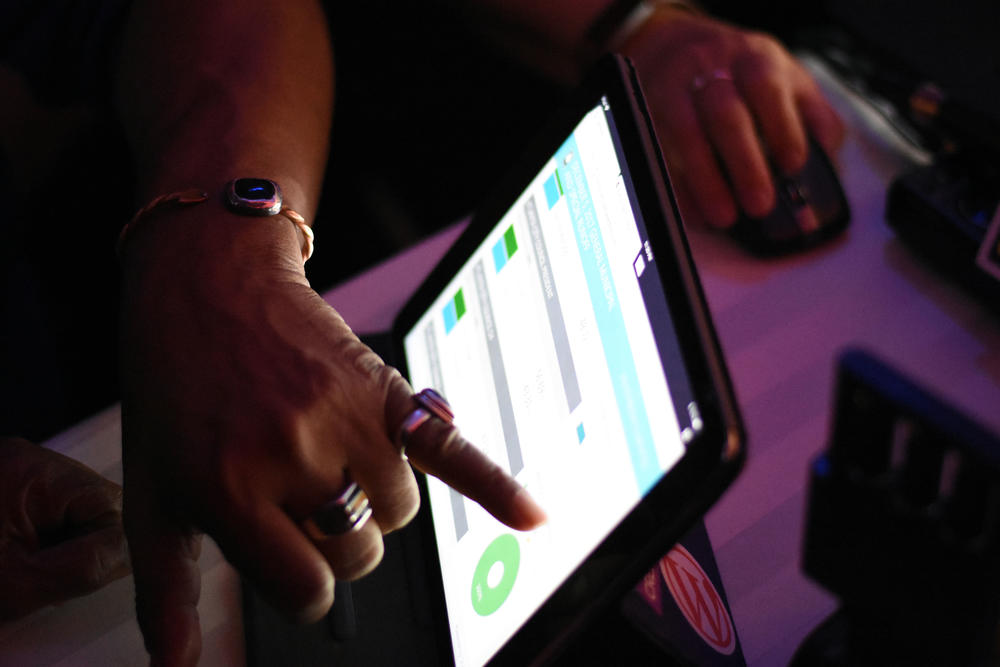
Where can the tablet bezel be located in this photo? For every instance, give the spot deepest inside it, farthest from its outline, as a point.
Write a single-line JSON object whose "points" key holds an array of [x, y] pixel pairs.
{"points": [[712, 458]]}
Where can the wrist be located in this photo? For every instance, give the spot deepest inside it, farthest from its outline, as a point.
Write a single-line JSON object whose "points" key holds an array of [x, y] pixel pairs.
{"points": [[622, 20], [669, 38], [258, 199], [207, 249], [195, 283]]}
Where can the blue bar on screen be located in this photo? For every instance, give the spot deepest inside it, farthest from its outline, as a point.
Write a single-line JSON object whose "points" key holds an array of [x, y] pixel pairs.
{"points": [[551, 190], [610, 320], [450, 315], [499, 255]]}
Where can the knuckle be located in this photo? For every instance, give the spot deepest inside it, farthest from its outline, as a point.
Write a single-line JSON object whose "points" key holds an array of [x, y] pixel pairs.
{"points": [[763, 45], [358, 356], [359, 561], [391, 381], [680, 126], [98, 568], [296, 445], [230, 486], [703, 53], [452, 445], [109, 496], [366, 376], [764, 78], [725, 119], [495, 480], [399, 509], [369, 363]]}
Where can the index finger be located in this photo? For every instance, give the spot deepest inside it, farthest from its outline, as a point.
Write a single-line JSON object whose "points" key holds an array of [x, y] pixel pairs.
{"points": [[437, 448]]}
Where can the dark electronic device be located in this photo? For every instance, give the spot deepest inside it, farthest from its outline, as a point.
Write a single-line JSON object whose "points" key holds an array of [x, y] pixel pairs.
{"points": [[944, 212], [903, 526], [810, 209], [934, 74], [568, 329]]}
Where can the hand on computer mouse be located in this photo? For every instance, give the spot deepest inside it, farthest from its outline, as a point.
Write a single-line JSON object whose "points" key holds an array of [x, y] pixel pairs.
{"points": [[727, 102], [810, 209]]}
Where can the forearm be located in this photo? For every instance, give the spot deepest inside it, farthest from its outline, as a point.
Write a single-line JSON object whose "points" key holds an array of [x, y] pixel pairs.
{"points": [[209, 90], [562, 37]]}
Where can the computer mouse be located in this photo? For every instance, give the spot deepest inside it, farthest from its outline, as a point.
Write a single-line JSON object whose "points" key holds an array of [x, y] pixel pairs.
{"points": [[811, 209]]}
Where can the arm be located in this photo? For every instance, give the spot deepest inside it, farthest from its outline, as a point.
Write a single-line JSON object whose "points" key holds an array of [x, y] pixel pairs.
{"points": [[246, 398], [206, 91]]}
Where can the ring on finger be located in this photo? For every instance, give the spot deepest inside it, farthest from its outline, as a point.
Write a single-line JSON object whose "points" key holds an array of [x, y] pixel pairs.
{"points": [[434, 403], [429, 403], [346, 512], [702, 81]]}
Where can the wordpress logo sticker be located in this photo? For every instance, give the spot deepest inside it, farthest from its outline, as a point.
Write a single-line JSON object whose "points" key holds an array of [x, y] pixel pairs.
{"points": [[698, 600]]}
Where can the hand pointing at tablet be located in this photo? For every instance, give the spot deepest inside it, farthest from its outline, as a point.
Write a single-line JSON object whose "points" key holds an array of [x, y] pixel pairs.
{"points": [[251, 411], [251, 419]]}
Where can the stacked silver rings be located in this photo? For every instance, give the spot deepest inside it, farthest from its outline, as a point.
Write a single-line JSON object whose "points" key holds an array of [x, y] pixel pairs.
{"points": [[347, 512]]}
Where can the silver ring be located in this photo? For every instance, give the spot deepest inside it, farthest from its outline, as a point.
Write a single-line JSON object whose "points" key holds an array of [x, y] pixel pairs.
{"points": [[434, 403], [413, 421], [429, 404], [702, 81], [347, 512]]}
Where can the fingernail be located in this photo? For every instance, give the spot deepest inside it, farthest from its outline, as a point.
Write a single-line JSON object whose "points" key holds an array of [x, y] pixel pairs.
{"points": [[529, 512]]}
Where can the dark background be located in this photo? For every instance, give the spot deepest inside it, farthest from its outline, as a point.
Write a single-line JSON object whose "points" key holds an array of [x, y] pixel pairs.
{"points": [[427, 115]]}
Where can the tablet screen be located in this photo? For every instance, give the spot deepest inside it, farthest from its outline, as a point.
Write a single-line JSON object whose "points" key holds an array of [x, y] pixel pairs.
{"points": [[554, 345]]}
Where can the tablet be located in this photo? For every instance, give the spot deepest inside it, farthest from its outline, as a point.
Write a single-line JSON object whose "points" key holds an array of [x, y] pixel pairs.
{"points": [[569, 332]]}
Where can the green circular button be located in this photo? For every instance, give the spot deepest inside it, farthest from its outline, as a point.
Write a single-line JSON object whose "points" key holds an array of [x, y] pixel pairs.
{"points": [[503, 552]]}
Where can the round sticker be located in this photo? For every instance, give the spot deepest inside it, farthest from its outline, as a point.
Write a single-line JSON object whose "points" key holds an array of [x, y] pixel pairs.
{"points": [[495, 574], [698, 600]]}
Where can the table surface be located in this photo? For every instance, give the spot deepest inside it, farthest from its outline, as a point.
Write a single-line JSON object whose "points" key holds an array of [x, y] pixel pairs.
{"points": [[781, 324]]}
